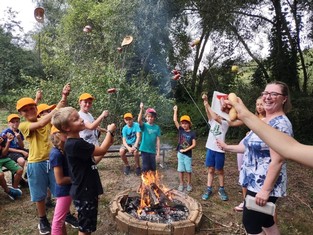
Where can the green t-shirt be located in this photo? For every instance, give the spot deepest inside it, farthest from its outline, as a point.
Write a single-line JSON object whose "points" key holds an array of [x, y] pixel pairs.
{"points": [[149, 134]]}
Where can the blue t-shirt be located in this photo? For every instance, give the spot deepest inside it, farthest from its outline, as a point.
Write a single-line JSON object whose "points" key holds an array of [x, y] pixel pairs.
{"points": [[185, 139], [58, 159], [14, 143], [148, 137], [129, 133]]}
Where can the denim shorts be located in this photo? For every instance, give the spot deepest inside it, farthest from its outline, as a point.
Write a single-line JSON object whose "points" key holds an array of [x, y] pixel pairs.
{"points": [[215, 159], [40, 177], [184, 163]]}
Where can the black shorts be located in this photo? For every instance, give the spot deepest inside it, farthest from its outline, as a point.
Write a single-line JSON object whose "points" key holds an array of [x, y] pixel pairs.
{"points": [[253, 221], [87, 215], [14, 156]]}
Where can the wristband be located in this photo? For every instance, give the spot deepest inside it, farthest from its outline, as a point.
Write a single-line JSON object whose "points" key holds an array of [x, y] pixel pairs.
{"points": [[110, 133]]}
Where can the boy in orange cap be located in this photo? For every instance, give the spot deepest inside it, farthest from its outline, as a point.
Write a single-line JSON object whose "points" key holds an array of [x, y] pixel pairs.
{"points": [[92, 126], [186, 142], [16, 151], [131, 138], [37, 132]]}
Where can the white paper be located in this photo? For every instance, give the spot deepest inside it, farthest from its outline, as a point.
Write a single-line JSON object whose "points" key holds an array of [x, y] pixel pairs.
{"points": [[216, 104]]}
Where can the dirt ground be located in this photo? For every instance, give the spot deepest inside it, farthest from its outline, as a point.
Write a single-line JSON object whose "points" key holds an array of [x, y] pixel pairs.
{"points": [[294, 211]]}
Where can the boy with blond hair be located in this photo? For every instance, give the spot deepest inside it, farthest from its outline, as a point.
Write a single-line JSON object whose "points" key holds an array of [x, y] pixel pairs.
{"points": [[86, 183]]}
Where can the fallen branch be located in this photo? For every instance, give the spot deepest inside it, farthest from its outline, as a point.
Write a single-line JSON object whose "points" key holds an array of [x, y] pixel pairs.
{"points": [[303, 202]]}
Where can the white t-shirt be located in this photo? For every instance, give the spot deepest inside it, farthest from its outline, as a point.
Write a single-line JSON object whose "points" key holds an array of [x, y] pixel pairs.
{"points": [[217, 131], [91, 136]]}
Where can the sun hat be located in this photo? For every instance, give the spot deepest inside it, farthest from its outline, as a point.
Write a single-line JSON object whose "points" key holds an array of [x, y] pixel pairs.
{"points": [[128, 115], [11, 116], [44, 107], [150, 110], [54, 130], [86, 96], [23, 102], [185, 118]]}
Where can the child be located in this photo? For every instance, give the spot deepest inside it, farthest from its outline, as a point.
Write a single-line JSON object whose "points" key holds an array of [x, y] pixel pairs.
{"points": [[37, 132], [150, 141], [92, 129], [131, 138], [44, 109], [13, 192], [215, 157], [16, 151], [86, 184], [186, 142], [59, 164]]}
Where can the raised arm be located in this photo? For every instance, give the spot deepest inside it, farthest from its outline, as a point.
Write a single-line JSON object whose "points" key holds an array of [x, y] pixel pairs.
{"points": [[107, 142], [47, 118], [280, 142], [209, 112], [95, 124], [140, 114], [175, 109]]}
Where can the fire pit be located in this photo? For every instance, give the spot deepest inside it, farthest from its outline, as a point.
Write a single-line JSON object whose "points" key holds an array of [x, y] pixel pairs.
{"points": [[170, 212]]}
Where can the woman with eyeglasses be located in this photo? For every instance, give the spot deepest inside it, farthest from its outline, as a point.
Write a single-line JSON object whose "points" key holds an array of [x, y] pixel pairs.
{"points": [[264, 170]]}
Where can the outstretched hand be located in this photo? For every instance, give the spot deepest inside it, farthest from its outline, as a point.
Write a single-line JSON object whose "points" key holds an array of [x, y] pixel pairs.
{"points": [[66, 89]]}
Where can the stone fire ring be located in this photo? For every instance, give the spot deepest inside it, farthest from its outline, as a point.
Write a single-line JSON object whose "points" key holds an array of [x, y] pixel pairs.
{"points": [[131, 225]]}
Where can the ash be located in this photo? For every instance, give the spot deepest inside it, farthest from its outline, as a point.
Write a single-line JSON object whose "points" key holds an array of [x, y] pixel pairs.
{"points": [[162, 213]]}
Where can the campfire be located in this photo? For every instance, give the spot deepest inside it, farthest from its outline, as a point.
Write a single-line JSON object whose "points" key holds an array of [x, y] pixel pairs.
{"points": [[153, 208]]}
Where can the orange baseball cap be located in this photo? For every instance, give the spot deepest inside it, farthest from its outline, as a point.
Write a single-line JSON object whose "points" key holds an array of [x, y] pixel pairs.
{"points": [[23, 102], [54, 130], [44, 107], [128, 115], [11, 116], [86, 96], [185, 118]]}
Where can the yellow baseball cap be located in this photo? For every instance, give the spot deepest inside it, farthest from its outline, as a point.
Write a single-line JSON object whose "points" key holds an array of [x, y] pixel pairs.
{"points": [[44, 107], [54, 130], [185, 118], [86, 96], [128, 115], [11, 116], [23, 102]]}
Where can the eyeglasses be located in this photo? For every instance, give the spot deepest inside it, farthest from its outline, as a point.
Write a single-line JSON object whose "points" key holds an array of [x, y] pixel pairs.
{"points": [[272, 94]]}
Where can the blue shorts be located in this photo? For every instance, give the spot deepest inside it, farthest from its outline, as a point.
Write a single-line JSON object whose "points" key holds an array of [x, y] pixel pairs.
{"points": [[148, 161], [87, 215], [215, 159], [40, 177], [184, 163]]}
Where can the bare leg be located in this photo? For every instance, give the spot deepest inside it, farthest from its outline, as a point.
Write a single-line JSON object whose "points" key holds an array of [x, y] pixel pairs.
{"points": [[123, 156], [211, 172], [136, 156], [181, 178], [220, 177], [17, 178], [3, 183], [273, 230], [188, 178]]}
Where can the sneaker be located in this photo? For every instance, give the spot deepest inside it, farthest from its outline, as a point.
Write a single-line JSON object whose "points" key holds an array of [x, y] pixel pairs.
{"points": [[223, 194], [24, 183], [126, 170], [14, 193], [50, 203], [44, 226], [138, 171], [239, 208], [71, 220], [206, 195], [180, 188], [189, 188]]}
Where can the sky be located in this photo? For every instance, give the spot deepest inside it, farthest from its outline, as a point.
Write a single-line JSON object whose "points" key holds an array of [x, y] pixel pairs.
{"points": [[25, 9]]}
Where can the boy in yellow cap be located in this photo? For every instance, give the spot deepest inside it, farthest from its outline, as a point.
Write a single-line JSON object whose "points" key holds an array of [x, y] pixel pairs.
{"points": [[131, 138], [186, 142], [37, 132]]}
